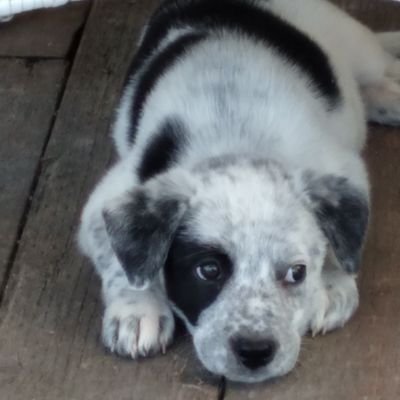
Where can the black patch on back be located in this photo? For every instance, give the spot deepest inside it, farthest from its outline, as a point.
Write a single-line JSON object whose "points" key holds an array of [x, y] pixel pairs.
{"points": [[238, 16], [154, 71], [163, 149], [157, 27], [190, 294], [342, 212]]}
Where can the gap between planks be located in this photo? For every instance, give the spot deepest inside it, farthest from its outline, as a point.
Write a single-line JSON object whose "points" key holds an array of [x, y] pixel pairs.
{"points": [[30, 60]]}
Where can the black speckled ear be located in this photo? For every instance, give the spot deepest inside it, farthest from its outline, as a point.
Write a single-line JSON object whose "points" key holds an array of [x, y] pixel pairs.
{"points": [[141, 229], [342, 212]]}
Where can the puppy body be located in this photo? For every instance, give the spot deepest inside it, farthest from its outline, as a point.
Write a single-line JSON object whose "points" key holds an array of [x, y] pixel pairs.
{"points": [[239, 136]]}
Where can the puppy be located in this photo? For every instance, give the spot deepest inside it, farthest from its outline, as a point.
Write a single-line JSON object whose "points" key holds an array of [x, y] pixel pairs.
{"points": [[239, 199]]}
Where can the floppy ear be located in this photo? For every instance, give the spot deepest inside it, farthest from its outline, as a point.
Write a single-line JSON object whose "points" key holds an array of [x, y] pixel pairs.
{"points": [[342, 212], [141, 227]]}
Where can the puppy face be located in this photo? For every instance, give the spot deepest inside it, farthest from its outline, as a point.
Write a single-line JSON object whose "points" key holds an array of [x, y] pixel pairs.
{"points": [[241, 245], [244, 270]]}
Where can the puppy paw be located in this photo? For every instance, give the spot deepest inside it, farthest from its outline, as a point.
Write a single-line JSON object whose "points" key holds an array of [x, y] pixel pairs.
{"points": [[138, 325], [383, 100], [391, 42], [338, 303], [393, 71]]}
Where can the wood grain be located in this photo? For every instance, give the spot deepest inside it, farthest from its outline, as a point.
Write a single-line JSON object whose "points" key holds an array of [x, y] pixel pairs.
{"points": [[28, 95], [50, 325], [50, 318], [379, 15], [44, 33]]}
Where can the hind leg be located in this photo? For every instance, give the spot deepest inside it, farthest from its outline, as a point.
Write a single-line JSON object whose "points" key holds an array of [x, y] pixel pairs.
{"points": [[372, 59], [382, 98], [390, 41], [381, 89], [382, 101]]}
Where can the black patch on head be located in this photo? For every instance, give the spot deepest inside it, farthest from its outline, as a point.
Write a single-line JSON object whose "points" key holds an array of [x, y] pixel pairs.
{"points": [[238, 16], [163, 61], [342, 212], [185, 289], [140, 231], [162, 150]]}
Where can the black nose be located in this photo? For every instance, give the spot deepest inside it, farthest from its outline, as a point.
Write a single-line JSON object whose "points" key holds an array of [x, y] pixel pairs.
{"points": [[254, 354]]}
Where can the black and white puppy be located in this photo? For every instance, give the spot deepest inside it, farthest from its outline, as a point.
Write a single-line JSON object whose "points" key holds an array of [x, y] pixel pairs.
{"points": [[239, 199]]}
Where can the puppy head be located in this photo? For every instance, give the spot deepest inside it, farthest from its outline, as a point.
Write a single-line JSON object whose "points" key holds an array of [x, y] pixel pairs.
{"points": [[242, 254]]}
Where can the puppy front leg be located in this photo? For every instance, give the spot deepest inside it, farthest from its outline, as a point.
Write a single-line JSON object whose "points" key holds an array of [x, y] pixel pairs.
{"points": [[136, 322], [338, 300]]}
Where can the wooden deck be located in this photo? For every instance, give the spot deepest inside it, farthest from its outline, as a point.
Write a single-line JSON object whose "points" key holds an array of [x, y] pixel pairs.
{"points": [[61, 72]]}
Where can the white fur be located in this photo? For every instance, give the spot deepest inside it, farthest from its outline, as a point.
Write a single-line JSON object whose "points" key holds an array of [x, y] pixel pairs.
{"points": [[269, 112], [390, 42], [137, 323]]}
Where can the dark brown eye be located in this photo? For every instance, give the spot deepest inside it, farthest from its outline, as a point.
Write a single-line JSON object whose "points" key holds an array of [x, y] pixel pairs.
{"points": [[209, 270], [296, 274]]}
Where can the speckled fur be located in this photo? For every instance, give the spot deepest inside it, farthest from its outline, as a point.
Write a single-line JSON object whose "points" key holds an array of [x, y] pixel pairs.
{"points": [[265, 172]]}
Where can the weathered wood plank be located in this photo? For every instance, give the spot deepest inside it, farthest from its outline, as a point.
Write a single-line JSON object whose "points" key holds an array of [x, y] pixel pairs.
{"points": [[43, 33], [49, 347], [362, 360], [28, 97], [377, 14]]}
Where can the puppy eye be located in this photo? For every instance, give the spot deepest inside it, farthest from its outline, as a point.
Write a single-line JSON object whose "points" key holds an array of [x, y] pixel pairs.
{"points": [[296, 274], [209, 270]]}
